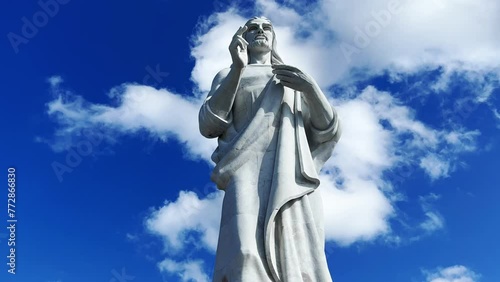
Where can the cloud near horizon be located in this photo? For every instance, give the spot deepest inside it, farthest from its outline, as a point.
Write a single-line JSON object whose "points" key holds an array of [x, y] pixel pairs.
{"points": [[187, 271], [456, 273]]}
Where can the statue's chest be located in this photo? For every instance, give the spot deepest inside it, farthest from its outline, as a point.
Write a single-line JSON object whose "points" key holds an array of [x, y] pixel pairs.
{"points": [[247, 98], [254, 80]]}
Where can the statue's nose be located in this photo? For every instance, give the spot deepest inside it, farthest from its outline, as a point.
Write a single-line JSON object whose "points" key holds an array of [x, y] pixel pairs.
{"points": [[260, 30]]}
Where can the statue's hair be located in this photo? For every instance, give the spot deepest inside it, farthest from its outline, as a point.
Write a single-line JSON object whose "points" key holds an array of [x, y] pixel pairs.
{"points": [[275, 57]]}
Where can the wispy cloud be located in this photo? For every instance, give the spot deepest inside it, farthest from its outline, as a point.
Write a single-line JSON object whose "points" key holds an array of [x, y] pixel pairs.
{"points": [[456, 273], [55, 80], [186, 270], [159, 112], [175, 220], [434, 220]]}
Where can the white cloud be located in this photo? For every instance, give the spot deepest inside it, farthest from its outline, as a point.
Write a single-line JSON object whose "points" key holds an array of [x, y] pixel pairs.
{"points": [[55, 80], [359, 200], [188, 213], [187, 271], [434, 220], [210, 47], [360, 212], [457, 273], [417, 34], [159, 112], [496, 113], [434, 166], [131, 237]]}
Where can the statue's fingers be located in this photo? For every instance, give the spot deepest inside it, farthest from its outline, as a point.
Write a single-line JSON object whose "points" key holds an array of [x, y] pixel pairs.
{"points": [[244, 41], [241, 30], [234, 44], [285, 79], [238, 31], [240, 38], [286, 67], [241, 44], [280, 77], [287, 84], [284, 72]]}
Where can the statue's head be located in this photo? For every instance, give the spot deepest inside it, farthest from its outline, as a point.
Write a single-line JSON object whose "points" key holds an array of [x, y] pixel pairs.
{"points": [[260, 36]]}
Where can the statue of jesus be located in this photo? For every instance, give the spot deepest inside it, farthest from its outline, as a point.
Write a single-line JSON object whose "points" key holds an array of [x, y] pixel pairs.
{"points": [[275, 130]]}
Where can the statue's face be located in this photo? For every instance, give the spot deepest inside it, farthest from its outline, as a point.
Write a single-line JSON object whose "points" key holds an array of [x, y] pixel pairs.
{"points": [[259, 34]]}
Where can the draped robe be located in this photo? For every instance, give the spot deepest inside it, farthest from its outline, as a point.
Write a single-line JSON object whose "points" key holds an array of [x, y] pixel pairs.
{"points": [[267, 161]]}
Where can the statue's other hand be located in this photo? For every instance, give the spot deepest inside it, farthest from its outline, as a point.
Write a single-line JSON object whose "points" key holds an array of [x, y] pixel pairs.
{"points": [[294, 78], [238, 49]]}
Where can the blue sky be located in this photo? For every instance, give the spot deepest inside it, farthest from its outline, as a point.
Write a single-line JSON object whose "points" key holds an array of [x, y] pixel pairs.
{"points": [[100, 122]]}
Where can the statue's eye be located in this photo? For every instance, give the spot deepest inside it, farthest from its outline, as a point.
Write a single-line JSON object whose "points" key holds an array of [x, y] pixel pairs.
{"points": [[252, 28], [267, 28]]}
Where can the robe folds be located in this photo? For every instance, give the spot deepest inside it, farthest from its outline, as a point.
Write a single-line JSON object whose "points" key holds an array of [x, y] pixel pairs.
{"points": [[268, 165]]}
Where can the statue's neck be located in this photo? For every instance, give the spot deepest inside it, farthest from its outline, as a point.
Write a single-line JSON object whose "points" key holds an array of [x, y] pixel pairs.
{"points": [[261, 58]]}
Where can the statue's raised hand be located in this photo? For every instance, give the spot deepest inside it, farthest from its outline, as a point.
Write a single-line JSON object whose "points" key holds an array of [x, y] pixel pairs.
{"points": [[294, 78], [238, 49]]}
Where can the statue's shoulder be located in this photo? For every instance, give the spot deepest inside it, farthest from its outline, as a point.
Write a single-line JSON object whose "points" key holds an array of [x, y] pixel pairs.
{"points": [[222, 73], [220, 77]]}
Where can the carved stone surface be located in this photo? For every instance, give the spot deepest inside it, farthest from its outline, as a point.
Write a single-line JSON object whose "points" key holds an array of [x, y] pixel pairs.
{"points": [[275, 130]]}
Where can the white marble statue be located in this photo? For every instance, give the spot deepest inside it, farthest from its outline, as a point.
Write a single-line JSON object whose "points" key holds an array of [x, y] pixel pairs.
{"points": [[275, 130]]}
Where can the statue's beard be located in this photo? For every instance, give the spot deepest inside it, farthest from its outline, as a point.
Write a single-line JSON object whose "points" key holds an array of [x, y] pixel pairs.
{"points": [[260, 44]]}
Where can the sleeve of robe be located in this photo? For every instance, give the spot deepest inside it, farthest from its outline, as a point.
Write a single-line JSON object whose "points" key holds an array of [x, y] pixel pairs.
{"points": [[316, 137], [212, 125]]}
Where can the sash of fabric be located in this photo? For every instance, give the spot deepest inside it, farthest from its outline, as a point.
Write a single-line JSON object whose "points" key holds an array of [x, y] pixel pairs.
{"points": [[234, 153], [284, 187], [295, 175]]}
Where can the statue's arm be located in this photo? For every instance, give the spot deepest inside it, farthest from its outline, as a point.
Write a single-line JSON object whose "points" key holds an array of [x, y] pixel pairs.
{"points": [[215, 113], [320, 134], [321, 113], [224, 90]]}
